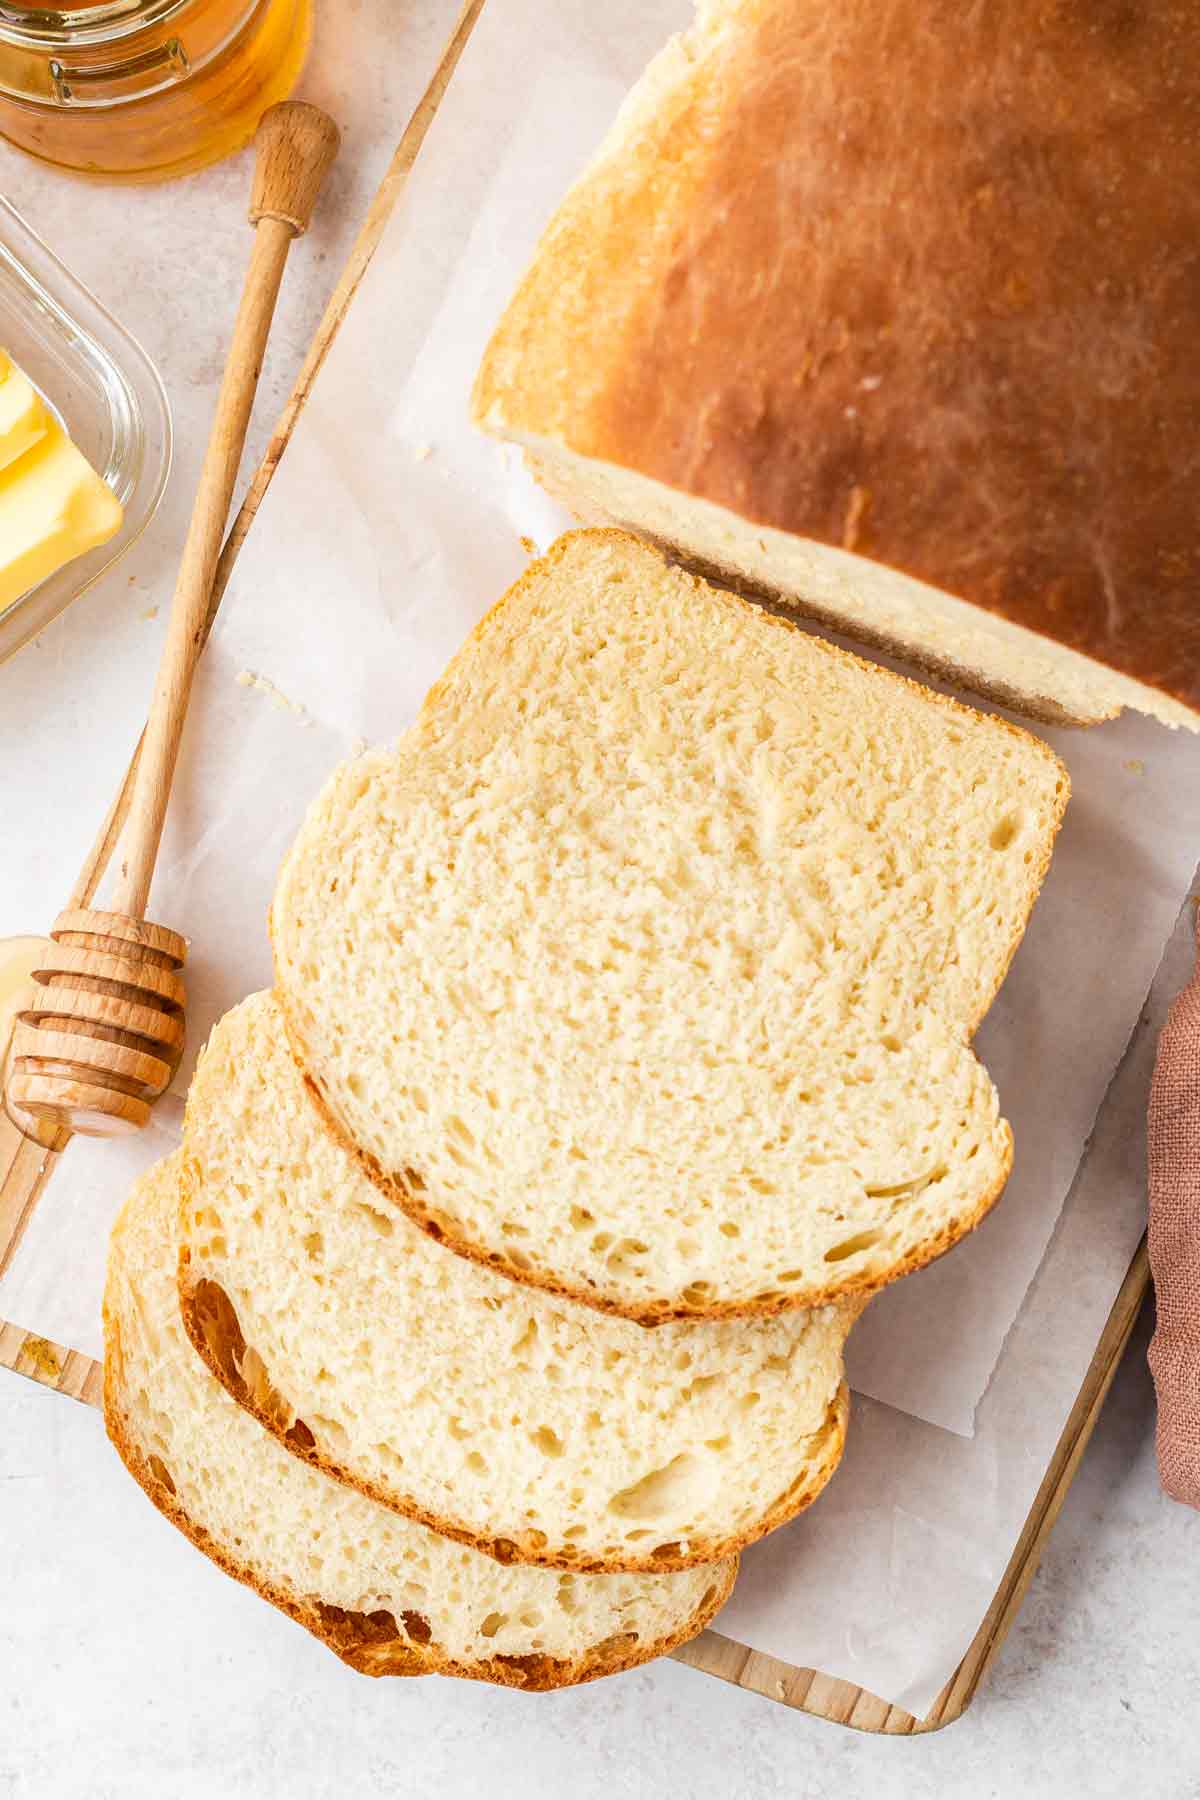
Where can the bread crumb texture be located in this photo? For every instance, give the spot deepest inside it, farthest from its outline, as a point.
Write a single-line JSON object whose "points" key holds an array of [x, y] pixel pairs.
{"points": [[389, 1596], [645, 966], [535, 1428]]}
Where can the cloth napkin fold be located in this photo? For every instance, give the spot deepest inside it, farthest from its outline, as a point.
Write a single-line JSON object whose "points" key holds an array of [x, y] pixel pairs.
{"points": [[1174, 1243]]}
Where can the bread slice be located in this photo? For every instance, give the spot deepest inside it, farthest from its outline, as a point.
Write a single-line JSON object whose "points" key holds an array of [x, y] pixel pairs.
{"points": [[644, 967], [388, 1596], [830, 315], [534, 1429]]}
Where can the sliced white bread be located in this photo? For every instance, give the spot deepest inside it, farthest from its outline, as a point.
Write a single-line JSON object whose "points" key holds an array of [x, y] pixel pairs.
{"points": [[644, 968], [533, 1428], [389, 1596]]}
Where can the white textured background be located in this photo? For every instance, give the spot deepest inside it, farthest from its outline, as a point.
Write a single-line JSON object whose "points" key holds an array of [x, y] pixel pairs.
{"points": [[129, 1667]]}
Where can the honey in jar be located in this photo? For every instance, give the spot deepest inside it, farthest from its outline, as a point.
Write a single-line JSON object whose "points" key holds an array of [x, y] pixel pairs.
{"points": [[144, 89]]}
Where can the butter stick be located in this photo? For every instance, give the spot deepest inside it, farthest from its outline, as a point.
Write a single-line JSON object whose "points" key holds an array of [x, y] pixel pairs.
{"points": [[24, 420], [53, 505]]}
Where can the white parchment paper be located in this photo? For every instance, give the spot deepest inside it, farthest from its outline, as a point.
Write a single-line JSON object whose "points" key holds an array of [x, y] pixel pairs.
{"points": [[389, 529]]}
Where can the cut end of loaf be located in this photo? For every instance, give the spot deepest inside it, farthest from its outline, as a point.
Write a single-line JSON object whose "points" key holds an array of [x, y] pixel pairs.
{"points": [[839, 588]]}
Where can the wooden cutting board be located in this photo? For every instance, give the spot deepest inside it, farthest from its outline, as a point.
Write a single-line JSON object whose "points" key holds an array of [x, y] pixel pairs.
{"points": [[25, 1170]]}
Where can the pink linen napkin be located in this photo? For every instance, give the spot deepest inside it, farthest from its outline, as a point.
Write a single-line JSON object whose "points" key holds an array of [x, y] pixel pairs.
{"points": [[1174, 1243]]}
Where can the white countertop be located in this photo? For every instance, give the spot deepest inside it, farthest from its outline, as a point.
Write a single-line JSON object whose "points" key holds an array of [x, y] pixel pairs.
{"points": [[130, 1667]]}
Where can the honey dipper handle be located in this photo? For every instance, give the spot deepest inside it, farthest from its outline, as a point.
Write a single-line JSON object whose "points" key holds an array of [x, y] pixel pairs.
{"points": [[295, 146]]}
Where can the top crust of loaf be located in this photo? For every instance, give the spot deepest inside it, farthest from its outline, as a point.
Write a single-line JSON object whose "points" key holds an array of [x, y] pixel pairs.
{"points": [[678, 921], [922, 283]]}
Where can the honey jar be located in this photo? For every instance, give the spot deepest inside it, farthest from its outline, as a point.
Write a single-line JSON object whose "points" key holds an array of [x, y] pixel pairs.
{"points": [[143, 89]]}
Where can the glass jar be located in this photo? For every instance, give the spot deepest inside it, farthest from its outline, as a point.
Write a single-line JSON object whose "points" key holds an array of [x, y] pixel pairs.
{"points": [[103, 390], [143, 89]]}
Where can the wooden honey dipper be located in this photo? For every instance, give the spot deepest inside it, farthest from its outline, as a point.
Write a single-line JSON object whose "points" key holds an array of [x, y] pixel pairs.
{"points": [[101, 1033]]}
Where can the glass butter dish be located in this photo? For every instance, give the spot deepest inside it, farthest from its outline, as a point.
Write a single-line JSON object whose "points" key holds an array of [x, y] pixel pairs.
{"points": [[104, 391]]}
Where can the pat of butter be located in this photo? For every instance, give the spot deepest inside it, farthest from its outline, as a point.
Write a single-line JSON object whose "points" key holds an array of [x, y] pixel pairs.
{"points": [[24, 420], [53, 505], [19, 957]]}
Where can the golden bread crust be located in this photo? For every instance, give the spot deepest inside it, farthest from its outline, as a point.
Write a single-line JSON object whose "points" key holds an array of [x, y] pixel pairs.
{"points": [[923, 287]]}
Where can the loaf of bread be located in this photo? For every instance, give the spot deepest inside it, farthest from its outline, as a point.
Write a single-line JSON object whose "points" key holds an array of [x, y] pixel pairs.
{"points": [[532, 1428], [644, 968], [389, 1596], [891, 312]]}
